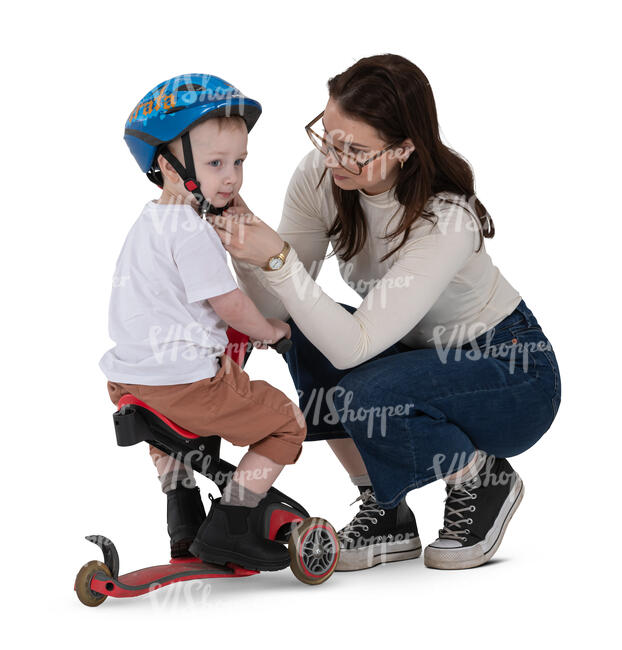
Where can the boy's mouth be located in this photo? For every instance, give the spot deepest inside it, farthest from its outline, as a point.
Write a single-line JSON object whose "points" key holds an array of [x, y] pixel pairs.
{"points": [[225, 195]]}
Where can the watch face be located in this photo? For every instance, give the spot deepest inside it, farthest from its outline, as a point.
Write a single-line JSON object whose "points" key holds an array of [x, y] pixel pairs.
{"points": [[276, 263]]}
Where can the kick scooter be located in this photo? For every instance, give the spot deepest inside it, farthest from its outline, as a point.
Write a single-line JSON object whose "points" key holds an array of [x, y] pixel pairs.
{"points": [[312, 542]]}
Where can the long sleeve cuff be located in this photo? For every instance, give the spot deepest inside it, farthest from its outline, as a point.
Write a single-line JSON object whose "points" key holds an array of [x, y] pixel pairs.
{"points": [[331, 328]]}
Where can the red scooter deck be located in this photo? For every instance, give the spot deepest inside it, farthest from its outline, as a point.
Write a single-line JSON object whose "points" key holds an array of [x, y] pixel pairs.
{"points": [[151, 578]]}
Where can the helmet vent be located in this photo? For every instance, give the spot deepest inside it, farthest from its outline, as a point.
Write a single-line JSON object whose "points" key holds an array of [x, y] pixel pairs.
{"points": [[190, 86]]}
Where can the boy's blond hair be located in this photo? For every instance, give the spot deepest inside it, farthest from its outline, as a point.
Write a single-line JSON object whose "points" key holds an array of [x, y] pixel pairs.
{"points": [[230, 122]]}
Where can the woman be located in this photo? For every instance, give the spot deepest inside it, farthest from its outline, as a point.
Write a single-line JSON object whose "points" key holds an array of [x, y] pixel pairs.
{"points": [[442, 371]]}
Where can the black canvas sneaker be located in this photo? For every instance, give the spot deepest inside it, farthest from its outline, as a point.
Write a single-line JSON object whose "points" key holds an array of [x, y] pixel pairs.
{"points": [[377, 535], [477, 512]]}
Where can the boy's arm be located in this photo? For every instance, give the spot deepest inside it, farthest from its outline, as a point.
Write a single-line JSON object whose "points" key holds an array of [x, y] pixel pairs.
{"points": [[239, 311], [249, 279], [202, 265]]}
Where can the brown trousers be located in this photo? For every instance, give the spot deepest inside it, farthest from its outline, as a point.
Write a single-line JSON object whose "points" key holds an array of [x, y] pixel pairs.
{"points": [[231, 406]]}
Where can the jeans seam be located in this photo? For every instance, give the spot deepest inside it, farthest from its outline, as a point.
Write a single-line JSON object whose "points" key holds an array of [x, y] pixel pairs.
{"points": [[553, 369], [516, 333], [557, 392], [549, 359]]}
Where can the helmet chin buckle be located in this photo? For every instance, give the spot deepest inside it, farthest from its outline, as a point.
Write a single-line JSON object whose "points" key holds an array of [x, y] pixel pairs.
{"points": [[208, 208]]}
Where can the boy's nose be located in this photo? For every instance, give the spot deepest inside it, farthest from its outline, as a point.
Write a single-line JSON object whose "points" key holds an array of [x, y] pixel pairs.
{"points": [[231, 175]]}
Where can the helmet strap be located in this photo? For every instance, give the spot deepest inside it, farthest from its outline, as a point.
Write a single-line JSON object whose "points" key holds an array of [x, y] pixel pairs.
{"points": [[188, 177]]}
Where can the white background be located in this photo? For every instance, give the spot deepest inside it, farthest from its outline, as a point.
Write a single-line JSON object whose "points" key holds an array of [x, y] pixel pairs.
{"points": [[528, 93]]}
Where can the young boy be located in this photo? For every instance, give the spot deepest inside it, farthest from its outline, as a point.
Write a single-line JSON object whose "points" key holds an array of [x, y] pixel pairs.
{"points": [[172, 299]]}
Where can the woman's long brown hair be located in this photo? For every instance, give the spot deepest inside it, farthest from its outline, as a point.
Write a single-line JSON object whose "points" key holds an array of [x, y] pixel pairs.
{"points": [[392, 94]]}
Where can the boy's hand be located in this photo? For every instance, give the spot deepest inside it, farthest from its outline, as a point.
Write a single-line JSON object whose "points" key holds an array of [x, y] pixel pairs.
{"points": [[281, 330]]}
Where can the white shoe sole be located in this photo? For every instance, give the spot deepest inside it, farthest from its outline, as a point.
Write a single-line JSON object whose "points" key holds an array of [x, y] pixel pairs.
{"points": [[478, 554], [369, 556]]}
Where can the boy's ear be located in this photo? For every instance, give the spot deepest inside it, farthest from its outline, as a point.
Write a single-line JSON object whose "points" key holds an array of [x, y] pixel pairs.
{"points": [[168, 171]]}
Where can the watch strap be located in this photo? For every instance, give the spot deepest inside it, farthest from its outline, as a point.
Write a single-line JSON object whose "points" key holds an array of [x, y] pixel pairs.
{"points": [[282, 255]]}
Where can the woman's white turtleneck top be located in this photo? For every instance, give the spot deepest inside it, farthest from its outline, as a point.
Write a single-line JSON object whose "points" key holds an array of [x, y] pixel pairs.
{"points": [[436, 291]]}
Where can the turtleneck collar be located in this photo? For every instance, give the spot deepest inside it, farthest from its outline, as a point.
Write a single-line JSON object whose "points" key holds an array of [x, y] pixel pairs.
{"points": [[384, 199]]}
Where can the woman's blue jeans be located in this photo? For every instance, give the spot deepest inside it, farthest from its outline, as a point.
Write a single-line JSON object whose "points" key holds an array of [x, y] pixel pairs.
{"points": [[417, 415]]}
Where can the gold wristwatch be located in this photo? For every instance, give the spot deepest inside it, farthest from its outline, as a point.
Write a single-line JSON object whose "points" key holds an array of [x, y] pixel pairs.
{"points": [[276, 261]]}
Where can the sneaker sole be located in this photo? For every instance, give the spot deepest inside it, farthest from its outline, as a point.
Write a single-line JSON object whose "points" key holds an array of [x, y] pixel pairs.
{"points": [[472, 556], [370, 556]]}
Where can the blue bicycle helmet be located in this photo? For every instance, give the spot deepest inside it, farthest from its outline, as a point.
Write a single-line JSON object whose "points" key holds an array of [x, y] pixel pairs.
{"points": [[170, 110]]}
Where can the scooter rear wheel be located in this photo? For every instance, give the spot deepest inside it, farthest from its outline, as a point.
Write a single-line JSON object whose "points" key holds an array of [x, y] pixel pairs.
{"points": [[83, 583], [313, 550]]}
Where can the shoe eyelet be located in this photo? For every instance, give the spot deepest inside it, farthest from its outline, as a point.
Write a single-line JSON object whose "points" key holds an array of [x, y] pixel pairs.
{"points": [[474, 496], [472, 508], [469, 521], [357, 533], [366, 528], [467, 531], [374, 520], [382, 513], [464, 539]]}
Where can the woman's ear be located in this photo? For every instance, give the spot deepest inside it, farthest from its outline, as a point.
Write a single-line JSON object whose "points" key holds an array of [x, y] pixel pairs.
{"points": [[407, 146]]}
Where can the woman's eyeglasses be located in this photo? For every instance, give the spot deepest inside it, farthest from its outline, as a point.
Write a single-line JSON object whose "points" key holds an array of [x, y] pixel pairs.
{"points": [[349, 160]]}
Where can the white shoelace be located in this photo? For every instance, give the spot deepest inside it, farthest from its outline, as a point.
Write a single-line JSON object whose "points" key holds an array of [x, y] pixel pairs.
{"points": [[369, 511], [458, 501]]}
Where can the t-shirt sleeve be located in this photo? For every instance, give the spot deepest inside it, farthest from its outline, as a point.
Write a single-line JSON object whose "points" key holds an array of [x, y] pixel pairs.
{"points": [[202, 263]]}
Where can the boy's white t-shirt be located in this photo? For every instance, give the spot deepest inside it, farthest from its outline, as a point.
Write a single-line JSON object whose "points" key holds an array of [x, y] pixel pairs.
{"points": [[165, 330]]}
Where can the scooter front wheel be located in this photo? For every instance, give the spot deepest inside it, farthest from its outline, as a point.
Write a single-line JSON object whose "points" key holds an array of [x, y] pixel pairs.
{"points": [[313, 550], [82, 585]]}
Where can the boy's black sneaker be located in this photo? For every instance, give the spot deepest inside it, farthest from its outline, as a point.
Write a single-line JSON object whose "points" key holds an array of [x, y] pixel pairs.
{"points": [[377, 535], [184, 515], [229, 534], [477, 512]]}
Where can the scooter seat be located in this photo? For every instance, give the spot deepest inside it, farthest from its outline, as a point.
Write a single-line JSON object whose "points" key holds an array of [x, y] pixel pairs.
{"points": [[135, 421], [128, 398]]}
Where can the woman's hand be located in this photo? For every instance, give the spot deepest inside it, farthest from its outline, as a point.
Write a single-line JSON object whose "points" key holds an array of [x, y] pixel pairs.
{"points": [[245, 236]]}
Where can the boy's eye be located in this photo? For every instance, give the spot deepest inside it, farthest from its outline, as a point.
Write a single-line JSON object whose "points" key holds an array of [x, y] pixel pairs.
{"points": [[218, 163]]}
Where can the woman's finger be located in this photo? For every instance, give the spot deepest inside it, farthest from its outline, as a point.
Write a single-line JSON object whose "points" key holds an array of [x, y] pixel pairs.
{"points": [[238, 202], [241, 216], [224, 223]]}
